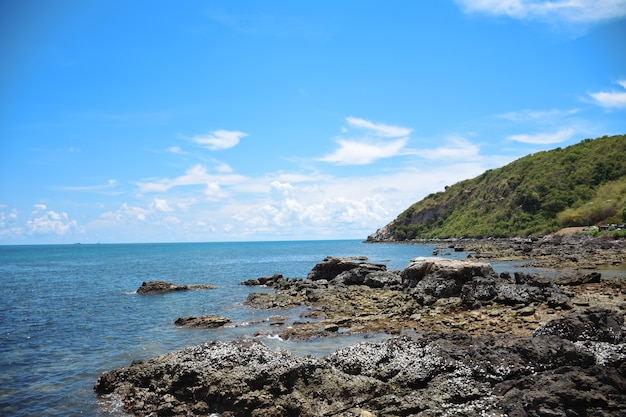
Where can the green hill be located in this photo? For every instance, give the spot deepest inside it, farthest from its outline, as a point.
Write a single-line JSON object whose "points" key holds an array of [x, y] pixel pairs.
{"points": [[583, 184]]}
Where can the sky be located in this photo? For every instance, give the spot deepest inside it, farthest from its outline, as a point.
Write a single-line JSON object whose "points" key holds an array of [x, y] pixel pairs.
{"points": [[162, 121]]}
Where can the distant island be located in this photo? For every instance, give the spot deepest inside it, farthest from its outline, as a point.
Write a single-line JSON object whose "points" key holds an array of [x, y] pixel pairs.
{"points": [[583, 185]]}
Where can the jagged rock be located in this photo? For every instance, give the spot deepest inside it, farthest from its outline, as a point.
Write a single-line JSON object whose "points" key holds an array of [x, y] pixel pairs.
{"points": [[429, 279], [434, 375], [363, 272], [330, 267], [268, 281], [383, 279], [579, 279], [206, 322], [160, 287], [591, 324]]}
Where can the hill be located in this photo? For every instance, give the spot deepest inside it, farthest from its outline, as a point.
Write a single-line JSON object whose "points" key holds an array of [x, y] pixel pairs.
{"points": [[580, 185]]}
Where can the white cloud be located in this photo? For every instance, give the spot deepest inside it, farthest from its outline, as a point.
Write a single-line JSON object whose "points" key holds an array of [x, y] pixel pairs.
{"points": [[361, 153], [44, 221], [611, 99], [172, 220], [160, 205], [572, 11], [544, 138], [126, 213], [219, 139], [280, 190], [379, 129], [196, 175], [375, 145], [455, 148], [535, 116], [8, 225], [223, 168], [107, 188]]}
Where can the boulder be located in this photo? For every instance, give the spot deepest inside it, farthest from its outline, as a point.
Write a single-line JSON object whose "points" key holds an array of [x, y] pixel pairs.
{"points": [[330, 267], [579, 279], [361, 274], [205, 322], [430, 279], [160, 287], [594, 324]]}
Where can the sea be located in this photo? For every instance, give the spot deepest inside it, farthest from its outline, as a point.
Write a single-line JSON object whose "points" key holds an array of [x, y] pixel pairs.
{"points": [[70, 312]]}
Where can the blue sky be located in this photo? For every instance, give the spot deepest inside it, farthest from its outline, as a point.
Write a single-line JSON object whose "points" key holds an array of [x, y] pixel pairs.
{"points": [[155, 121]]}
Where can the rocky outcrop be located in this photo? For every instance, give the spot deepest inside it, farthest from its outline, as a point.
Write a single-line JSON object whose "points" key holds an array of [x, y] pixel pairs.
{"points": [[577, 251], [593, 324], [430, 293], [437, 374], [204, 322], [330, 268], [160, 287], [430, 279]]}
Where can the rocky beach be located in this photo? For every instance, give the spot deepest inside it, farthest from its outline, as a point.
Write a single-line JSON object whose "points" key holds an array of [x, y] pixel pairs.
{"points": [[463, 340]]}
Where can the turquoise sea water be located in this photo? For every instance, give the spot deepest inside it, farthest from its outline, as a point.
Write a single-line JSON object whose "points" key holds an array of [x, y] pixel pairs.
{"points": [[70, 312]]}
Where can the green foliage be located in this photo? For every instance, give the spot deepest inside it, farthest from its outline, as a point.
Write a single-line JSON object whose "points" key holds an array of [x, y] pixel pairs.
{"points": [[579, 185]]}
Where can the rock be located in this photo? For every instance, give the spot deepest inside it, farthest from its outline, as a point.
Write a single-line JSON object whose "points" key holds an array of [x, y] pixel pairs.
{"points": [[383, 279], [206, 322], [431, 278], [591, 324], [330, 267], [160, 287], [579, 279], [434, 375], [361, 274]]}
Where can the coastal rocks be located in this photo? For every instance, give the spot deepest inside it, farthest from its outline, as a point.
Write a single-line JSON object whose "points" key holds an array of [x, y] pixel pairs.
{"points": [[204, 322], [434, 294], [592, 324], [160, 287], [437, 374], [570, 250], [331, 267], [429, 279], [579, 279]]}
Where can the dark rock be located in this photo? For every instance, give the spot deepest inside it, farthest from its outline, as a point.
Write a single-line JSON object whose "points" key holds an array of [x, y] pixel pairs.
{"points": [[429, 279], [591, 324], [358, 275], [330, 267], [160, 287], [435, 375], [206, 322], [383, 279], [579, 279]]}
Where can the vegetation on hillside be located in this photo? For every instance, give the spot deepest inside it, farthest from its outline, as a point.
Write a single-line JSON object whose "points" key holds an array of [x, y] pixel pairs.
{"points": [[583, 184]]}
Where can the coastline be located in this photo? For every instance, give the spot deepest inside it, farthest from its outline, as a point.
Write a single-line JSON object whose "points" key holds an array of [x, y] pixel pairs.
{"points": [[558, 250], [453, 307]]}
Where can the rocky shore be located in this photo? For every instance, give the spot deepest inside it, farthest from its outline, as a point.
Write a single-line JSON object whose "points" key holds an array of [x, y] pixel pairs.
{"points": [[564, 249], [464, 341]]}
